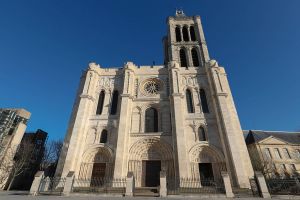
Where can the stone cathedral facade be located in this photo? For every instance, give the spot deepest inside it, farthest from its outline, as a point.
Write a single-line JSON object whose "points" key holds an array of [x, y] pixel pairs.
{"points": [[178, 117]]}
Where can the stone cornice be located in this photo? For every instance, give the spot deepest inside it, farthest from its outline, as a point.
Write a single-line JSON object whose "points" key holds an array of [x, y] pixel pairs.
{"points": [[87, 96]]}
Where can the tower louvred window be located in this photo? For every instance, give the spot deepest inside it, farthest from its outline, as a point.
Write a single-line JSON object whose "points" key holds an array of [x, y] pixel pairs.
{"points": [[195, 57], [203, 99], [192, 33], [100, 103], [189, 101], [151, 121], [103, 138], [201, 134], [182, 55], [185, 33], [114, 103], [178, 34]]}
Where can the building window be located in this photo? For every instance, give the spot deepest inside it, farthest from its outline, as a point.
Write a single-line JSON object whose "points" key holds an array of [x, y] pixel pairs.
{"points": [[203, 99], [151, 121], [293, 167], [298, 153], [178, 34], [189, 101], [268, 153], [185, 33], [114, 104], [103, 138], [195, 57], [182, 55], [286, 153], [192, 33], [277, 153], [201, 134], [100, 103]]}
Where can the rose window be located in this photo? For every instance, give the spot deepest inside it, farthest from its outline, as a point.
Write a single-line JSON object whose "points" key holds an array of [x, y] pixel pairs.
{"points": [[151, 87]]}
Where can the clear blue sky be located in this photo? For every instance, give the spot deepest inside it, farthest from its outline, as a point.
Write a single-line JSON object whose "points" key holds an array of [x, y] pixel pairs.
{"points": [[44, 46]]}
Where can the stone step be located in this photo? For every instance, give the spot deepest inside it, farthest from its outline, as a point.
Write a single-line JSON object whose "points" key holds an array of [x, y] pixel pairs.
{"points": [[146, 191]]}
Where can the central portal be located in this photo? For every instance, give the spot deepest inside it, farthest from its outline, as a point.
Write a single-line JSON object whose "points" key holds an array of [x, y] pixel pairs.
{"points": [[152, 169]]}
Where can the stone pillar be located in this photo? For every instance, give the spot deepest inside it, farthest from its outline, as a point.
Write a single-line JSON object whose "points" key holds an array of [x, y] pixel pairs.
{"points": [[38, 177], [106, 103], [201, 39], [177, 117], [163, 184], [83, 108], [121, 158], [196, 100], [236, 154], [69, 183], [130, 184], [227, 185], [262, 185]]}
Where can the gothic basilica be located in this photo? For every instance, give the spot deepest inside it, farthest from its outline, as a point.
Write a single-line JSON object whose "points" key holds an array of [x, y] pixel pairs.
{"points": [[178, 118]]}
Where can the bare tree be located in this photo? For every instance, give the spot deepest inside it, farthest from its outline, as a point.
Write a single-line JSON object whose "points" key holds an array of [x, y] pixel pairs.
{"points": [[15, 160], [51, 155]]}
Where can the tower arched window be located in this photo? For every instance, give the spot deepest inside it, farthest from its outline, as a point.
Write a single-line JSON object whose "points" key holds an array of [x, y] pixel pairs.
{"points": [[192, 33], [189, 101], [182, 56], [103, 138], [201, 134], [100, 103], [114, 103], [151, 120], [203, 99], [178, 34], [195, 57], [185, 33]]}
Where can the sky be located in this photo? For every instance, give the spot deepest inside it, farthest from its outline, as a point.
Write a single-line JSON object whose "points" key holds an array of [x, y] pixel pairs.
{"points": [[45, 45]]}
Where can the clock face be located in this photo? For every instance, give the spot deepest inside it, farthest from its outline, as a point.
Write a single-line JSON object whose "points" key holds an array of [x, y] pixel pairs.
{"points": [[151, 87]]}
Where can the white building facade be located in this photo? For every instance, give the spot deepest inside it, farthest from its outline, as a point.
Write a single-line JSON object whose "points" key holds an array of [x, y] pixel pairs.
{"points": [[178, 117]]}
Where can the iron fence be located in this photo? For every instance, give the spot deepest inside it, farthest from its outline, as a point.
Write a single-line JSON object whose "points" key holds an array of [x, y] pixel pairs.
{"points": [[284, 186], [254, 187], [52, 186], [194, 185], [99, 185]]}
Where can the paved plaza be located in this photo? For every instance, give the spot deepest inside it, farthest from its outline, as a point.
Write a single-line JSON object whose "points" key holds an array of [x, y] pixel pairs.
{"points": [[24, 196]]}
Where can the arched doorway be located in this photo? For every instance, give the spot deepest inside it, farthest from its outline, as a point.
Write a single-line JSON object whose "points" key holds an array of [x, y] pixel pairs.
{"points": [[207, 163], [97, 165], [147, 158]]}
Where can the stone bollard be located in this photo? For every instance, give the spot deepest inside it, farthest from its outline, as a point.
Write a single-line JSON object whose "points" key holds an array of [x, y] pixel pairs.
{"points": [[227, 184], [130, 184], [163, 184], [262, 185], [38, 177], [69, 183]]}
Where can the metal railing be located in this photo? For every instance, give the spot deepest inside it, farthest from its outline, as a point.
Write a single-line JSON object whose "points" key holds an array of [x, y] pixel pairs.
{"points": [[52, 185], [194, 185], [99, 185], [284, 186]]}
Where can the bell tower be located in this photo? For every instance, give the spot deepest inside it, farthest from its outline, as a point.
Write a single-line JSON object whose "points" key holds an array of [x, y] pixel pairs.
{"points": [[185, 42]]}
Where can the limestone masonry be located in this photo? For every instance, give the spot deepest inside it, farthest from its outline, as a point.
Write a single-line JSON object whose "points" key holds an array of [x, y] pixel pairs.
{"points": [[179, 118]]}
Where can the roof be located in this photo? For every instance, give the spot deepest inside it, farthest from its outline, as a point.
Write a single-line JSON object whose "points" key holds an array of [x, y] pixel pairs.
{"points": [[255, 136]]}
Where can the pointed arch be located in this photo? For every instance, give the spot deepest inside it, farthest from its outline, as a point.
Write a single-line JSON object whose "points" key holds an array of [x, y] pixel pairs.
{"points": [[183, 60], [103, 138], [195, 57], [201, 134], [100, 103], [189, 101], [185, 33], [203, 99], [114, 103], [192, 33], [151, 120], [178, 34]]}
